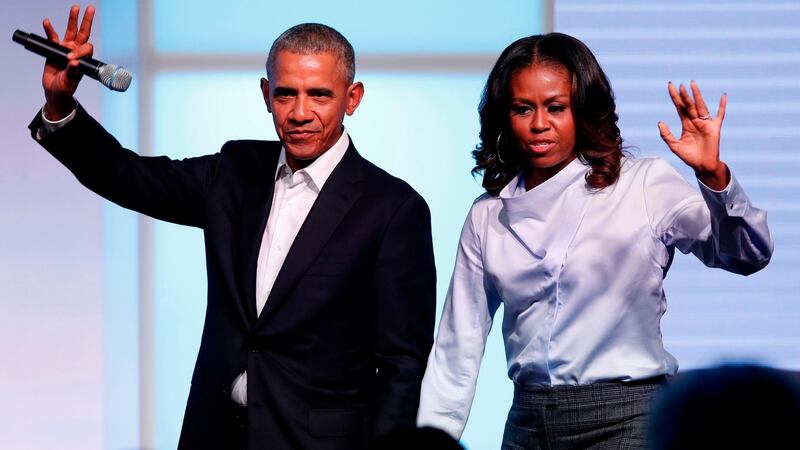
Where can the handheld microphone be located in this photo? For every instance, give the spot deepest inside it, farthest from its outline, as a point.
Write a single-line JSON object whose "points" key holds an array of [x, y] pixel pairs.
{"points": [[111, 76]]}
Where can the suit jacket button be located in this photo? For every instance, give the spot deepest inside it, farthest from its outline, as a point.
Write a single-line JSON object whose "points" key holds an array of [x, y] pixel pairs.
{"points": [[225, 389]]}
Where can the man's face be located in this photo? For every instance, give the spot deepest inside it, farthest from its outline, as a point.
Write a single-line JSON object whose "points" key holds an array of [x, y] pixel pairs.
{"points": [[308, 97]]}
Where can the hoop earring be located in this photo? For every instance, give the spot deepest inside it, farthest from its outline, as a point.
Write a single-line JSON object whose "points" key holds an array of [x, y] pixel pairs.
{"points": [[497, 148]]}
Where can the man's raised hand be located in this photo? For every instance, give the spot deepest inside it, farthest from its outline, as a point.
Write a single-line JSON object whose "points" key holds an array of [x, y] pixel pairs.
{"points": [[59, 80]]}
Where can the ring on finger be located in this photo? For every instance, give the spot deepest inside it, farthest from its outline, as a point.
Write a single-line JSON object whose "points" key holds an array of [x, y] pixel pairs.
{"points": [[706, 117]]}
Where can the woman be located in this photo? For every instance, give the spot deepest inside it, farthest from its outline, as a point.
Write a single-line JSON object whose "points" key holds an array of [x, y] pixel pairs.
{"points": [[574, 239]]}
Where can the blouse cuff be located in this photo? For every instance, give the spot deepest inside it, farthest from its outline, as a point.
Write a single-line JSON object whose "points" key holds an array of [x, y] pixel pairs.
{"points": [[731, 201]]}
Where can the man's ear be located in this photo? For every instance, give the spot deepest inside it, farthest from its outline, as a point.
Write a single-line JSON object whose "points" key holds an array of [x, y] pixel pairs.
{"points": [[265, 93], [355, 92]]}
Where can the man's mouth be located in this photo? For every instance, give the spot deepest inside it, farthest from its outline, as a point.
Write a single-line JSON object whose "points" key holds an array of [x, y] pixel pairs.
{"points": [[300, 135]]}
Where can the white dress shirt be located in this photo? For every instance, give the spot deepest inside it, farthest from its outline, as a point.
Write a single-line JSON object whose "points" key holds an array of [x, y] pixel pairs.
{"points": [[580, 274], [292, 199]]}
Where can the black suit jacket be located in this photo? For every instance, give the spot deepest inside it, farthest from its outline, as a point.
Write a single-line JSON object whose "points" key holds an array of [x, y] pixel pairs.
{"points": [[338, 353]]}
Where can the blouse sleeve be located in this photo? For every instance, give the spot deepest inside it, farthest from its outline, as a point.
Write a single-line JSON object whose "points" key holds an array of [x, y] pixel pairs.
{"points": [[722, 228], [452, 372]]}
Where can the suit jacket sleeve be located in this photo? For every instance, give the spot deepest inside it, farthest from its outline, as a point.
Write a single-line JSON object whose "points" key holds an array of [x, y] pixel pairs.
{"points": [[404, 287], [157, 186]]}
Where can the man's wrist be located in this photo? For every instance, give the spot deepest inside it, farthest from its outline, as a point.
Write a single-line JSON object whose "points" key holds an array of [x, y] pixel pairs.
{"points": [[57, 110], [50, 126]]}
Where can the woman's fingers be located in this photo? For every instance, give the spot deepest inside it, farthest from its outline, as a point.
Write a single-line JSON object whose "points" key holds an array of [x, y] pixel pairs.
{"points": [[700, 104], [690, 107], [676, 98], [694, 106], [666, 134], [723, 103]]}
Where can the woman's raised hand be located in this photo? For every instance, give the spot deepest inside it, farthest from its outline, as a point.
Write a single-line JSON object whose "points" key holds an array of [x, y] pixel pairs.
{"points": [[698, 145]]}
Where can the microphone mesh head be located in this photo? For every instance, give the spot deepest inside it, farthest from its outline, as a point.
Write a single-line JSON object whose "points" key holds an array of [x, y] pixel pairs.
{"points": [[115, 77]]}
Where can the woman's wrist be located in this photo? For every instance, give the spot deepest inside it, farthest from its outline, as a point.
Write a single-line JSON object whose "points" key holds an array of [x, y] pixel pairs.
{"points": [[717, 178]]}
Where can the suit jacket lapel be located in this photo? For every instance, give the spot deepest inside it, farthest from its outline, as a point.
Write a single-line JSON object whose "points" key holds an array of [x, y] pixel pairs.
{"points": [[256, 208], [337, 196]]}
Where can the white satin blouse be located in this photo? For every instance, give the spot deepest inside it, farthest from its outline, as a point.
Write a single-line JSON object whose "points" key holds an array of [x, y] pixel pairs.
{"points": [[580, 274]]}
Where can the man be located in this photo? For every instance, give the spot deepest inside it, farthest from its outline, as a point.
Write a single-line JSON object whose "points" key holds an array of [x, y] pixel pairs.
{"points": [[320, 266]]}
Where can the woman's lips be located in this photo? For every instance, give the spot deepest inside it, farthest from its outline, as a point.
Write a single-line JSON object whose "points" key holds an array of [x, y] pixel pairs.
{"points": [[541, 146]]}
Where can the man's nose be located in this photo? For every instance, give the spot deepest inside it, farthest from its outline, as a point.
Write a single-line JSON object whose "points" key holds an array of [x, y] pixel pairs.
{"points": [[301, 112]]}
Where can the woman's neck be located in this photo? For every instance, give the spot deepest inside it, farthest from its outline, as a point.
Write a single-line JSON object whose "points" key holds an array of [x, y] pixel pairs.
{"points": [[534, 176]]}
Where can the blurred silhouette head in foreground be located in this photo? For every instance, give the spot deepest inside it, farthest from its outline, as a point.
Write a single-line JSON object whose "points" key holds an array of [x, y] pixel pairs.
{"points": [[416, 439], [731, 406]]}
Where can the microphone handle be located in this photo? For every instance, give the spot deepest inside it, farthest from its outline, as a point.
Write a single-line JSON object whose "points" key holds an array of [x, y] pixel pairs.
{"points": [[56, 52]]}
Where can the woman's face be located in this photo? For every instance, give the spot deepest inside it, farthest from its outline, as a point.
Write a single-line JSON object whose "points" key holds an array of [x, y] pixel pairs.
{"points": [[541, 118]]}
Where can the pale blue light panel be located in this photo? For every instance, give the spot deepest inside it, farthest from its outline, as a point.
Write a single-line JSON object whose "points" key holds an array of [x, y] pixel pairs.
{"points": [[120, 244], [420, 127], [413, 26], [196, 112], [119, 22], [180, 300]]}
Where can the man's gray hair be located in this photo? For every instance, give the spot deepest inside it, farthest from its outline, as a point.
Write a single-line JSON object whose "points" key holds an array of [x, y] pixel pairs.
{"points": [[314, 39]]}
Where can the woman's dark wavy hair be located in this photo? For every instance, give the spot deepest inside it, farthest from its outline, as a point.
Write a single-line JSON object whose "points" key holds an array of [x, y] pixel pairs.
{"points": [[597, 137]]}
